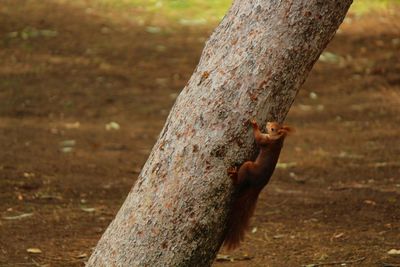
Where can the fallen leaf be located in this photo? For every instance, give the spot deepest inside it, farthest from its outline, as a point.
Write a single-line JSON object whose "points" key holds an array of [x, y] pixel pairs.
{"points": [[82, 256], [67, 149], [18, 217], [285, 165], [112, 126], [68, 143], [278, 236], [344, 154], [74, 125], [192, 22], [223, 257], [305, 107], [370, 202], [29, 174], [88, 209], [394, 252], [313, 95], [34, 250], [329, 57], [336, 236]]}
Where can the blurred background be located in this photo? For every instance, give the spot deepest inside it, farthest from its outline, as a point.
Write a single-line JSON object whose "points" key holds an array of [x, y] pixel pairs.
{"points": [[85, 87]]}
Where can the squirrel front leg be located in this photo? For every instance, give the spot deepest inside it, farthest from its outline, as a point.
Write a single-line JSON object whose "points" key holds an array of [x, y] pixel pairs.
{"points": [[242, 174], [259, 137], [233, 174]]}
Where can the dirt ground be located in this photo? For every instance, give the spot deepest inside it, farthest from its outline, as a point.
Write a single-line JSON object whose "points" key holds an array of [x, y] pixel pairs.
{"points": [[84, 93]]}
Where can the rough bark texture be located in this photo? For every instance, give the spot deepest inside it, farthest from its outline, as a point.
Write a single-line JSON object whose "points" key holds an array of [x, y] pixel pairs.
{"points": [[251, 67]]}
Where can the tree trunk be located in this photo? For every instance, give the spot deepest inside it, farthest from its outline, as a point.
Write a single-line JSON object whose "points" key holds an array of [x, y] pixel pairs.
{"points": [[252, 67]]}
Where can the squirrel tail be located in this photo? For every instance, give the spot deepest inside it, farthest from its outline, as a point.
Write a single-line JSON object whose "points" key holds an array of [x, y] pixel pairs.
{"points": [[242, 210]]}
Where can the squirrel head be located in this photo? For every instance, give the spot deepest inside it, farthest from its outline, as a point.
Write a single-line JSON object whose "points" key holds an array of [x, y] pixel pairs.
{"points": [[273, 128]]}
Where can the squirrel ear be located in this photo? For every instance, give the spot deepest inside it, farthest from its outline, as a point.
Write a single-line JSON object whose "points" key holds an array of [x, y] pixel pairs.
{"points": [[288, 129]]}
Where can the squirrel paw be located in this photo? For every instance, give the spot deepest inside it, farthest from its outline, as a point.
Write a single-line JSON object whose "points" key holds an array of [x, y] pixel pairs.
{"points": [[253, 122], [233, 173], [232, 170]]}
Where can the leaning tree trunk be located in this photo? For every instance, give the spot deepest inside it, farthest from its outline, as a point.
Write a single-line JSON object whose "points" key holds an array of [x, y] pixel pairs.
{"points": [[252, 67]]}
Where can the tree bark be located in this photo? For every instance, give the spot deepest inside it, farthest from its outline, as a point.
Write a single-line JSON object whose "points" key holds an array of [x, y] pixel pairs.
{"points": [[252, 67]]}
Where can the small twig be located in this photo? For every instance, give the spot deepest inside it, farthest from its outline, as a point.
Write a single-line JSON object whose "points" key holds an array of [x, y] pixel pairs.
{"points": [[334, 263], [56, 259]]}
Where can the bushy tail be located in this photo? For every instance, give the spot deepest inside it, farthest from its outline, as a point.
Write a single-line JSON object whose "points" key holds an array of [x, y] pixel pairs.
{"points": [[242, 210]]}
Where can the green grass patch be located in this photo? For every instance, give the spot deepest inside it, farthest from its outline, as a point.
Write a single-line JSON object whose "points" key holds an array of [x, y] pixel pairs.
{"points": [[361, 7], [183, 11], [196, 12]]}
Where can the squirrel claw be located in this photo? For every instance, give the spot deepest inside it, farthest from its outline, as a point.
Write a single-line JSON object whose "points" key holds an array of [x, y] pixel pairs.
{"points": [[232, 170], [233, 173]]}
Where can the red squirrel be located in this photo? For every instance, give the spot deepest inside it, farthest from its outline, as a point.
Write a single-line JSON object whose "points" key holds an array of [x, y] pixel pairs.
{"points": [[251, 178]]}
